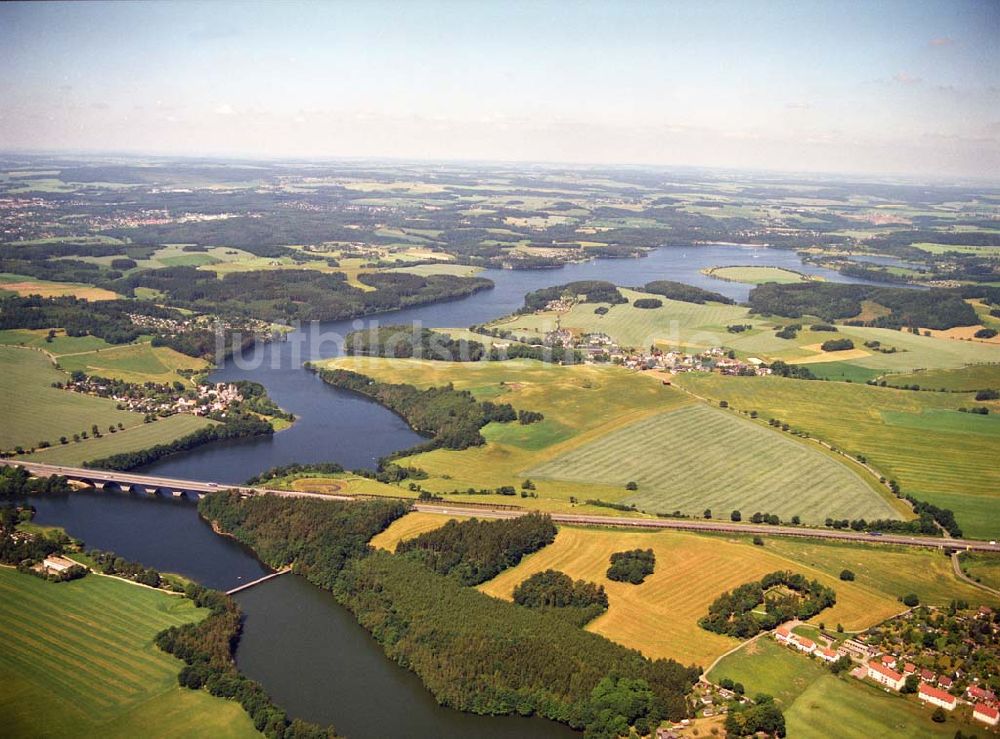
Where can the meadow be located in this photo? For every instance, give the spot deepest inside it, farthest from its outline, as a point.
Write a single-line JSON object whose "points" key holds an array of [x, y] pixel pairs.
{"points": [[966, 379], [756, 275], [79, 660], [35, 411], [982, 567], [697, 458], [22, 285], [132, 439], [137, 363], [660, 616], [899, 431], [674, 324]]}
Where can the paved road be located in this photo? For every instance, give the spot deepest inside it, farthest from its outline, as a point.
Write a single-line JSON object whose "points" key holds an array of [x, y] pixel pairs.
{"points": [[853, 537]]}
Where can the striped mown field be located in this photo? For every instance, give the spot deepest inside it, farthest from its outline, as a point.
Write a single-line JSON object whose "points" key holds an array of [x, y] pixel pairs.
{"points": [[901, 432], [660, 616], [697, 457], [78, 659]]}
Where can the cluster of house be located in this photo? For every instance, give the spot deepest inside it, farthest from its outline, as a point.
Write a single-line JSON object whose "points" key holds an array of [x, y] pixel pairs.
{"points": [[160, 400], [786, 636], [252, 326], [933, 689]]}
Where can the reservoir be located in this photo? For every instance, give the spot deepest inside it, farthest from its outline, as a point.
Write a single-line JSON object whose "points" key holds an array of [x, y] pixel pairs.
{"points": [[337, 426], [304, 648]]}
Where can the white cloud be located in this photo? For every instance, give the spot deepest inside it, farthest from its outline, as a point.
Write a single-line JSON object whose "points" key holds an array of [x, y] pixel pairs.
{"points": [[225, 109]]}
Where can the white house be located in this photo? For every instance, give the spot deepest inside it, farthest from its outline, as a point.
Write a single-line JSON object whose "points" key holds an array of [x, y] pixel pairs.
{"points": [[827, 655], [986, 714], [937, 697], [885, 676]]}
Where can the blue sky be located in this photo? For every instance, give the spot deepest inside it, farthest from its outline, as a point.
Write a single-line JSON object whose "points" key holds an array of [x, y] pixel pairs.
{"points": [[895, 87]]}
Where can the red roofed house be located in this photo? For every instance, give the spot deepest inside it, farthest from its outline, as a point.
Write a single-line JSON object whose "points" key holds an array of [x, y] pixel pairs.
{"points": [[909, 668], [783, 634], [803, 644], [884, 676], [827, 655], [927, 675], [889, 661], [945, 682], [937, 697], [980, 694], [986, 714]]}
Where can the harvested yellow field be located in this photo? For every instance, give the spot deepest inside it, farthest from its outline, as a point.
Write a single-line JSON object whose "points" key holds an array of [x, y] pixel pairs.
{"points": [[58, 289], [822, 356], [965, 333], [411, 525], [660, 616]]}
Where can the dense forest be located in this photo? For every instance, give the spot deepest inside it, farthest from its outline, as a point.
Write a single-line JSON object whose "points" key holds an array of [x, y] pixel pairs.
{"points": [[285, 295], [452, 418], [578, 600], [590, 291], [476, 551], [785, 595], [410, 341], [632, 566], [935, 309], [471, 651], [316, 536], [685, 293]]}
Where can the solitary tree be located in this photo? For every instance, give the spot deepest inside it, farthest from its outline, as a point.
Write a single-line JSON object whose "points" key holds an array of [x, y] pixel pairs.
{"points": [[735, 516]]}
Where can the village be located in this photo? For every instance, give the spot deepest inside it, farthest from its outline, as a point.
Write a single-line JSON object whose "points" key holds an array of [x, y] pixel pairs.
{"points": [[946, 657], [157, 400]]}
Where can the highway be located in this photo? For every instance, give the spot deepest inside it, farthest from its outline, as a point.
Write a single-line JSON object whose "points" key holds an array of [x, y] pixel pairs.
{"points": [[128, 479]]}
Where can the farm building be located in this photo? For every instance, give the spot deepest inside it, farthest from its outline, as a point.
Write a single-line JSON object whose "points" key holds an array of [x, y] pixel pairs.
{"points": [[937, 697], [986, 714], [56, 563], [885, 676]]}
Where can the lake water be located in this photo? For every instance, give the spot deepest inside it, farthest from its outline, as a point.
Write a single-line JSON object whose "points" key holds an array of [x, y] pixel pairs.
{"points": [[304, 648], [337, 426]]}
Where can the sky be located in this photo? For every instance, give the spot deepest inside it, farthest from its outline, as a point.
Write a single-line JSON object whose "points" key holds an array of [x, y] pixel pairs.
{"points": [[857, 87]]}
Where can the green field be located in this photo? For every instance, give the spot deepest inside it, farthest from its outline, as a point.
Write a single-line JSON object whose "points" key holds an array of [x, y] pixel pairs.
{"points": [[982, 567], [985, 251], [674, 324], [952, 468], [137, 363], [460, 270], [35, 411], [973, 377], [756, 275], [78, 659], [132, 439], [699, 457], [60, 344], [818, 704]]}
